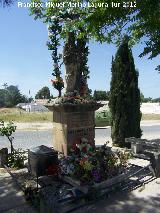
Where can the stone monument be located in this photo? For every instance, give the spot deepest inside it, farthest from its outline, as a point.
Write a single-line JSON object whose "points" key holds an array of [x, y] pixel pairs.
{"points": [[73, 121]]}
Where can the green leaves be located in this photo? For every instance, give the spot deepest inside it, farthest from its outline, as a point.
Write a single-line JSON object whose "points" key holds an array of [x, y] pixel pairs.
{"points": [[124, 96], [16, 160], [139, 19], [7, 129]]}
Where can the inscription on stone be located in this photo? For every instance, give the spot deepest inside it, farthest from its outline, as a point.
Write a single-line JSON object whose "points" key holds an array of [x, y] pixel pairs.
{"points": [[80, 119], [81, 132]]}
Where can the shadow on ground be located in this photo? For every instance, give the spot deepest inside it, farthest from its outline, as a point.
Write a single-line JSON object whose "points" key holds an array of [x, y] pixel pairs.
{"points": [[11, 198], [125, 203]]}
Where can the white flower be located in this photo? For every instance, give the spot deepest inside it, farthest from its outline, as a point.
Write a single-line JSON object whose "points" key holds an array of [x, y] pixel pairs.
{"points": [[84, 140], [53, 18], [70, 169]]}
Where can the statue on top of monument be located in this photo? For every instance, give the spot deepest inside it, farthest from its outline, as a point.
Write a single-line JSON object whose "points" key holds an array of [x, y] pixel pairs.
{"points": [[73, 58]]}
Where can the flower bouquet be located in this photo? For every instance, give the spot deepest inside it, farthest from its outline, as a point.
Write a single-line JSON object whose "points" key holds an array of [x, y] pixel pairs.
{"points": [[74, 98], [91, 165]]}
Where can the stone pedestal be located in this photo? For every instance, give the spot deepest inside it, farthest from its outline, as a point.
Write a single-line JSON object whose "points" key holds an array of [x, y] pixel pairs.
{"points": [[3, 157], [71, 122], [155, 163]]}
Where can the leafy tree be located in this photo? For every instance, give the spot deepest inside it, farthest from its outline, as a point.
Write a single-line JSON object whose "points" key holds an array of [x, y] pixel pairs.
{"points": [[125, 97], [105, 23], [149, 99], [2, 97], [156, 100], [43, 93], [139, 19], [100, 95], [7, 130], [142, 97], [11, 96]]}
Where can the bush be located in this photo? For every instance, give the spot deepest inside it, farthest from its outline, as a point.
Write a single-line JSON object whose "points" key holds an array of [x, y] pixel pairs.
{"points": [[16, 160], [103, 118]]}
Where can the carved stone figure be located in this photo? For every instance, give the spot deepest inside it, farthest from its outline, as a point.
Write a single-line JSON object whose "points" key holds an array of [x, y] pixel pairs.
{"points": [[73, 57]]}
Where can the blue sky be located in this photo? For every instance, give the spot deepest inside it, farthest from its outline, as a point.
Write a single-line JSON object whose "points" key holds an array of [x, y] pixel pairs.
{"points": [[25, 60]]}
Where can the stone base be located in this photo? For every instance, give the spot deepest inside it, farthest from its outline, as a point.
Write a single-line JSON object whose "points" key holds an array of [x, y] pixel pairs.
{"points": [[109, 183], [3, 157], [71, 122]]}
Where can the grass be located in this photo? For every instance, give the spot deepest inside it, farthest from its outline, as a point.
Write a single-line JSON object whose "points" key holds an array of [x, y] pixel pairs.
{"points": [[151, 117], [17, 115], [103, 118]]}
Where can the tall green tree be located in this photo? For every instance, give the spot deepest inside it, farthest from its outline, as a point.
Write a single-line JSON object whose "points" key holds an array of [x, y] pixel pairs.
{"points": [[124, 97], [11, 96], [43, 93]]}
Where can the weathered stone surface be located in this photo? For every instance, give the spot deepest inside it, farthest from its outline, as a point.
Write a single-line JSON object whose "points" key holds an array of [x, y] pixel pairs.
{"points": [[3, 157], [149, 148], [155, 163], [72, 122], [138, 145], [99, 186]]}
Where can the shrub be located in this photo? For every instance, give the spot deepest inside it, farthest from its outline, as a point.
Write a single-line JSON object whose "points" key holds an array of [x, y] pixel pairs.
{"points": [[103, 118], [16, 160]]}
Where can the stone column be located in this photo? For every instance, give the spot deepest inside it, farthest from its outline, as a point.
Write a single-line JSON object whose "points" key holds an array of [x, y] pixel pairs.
{"points": [[71, 122]]}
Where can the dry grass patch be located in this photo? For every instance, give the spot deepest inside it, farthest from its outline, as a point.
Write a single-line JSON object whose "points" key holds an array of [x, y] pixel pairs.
{"points": [[18, 115], [151, 117]]}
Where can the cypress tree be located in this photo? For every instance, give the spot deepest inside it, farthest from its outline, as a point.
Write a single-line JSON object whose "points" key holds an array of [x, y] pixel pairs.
{"points": [[125, 97]]}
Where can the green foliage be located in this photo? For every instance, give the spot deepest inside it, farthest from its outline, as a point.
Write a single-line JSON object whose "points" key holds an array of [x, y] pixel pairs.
{"points": [[90, 165], [2, 97], [43, 93], [103, 118], [7, 130], [16, 160], [22, 116], [142, 97], [11, 96], [156, 100], [64, 24], [125, 96], [6, 3], [54, 30], [148, 100], [140, 20], [100, 95]]}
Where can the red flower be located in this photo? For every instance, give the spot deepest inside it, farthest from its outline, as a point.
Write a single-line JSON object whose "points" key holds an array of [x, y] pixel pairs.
{"points": [[84, 149], [74, 147], [77, 141], [52, 170]]}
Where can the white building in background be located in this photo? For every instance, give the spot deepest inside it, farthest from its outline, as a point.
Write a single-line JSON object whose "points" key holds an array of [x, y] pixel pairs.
{"points": [[32, 107]]}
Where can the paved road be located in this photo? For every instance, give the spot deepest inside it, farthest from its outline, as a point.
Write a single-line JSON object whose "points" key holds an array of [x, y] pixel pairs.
{"points": [[28, 139]]}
